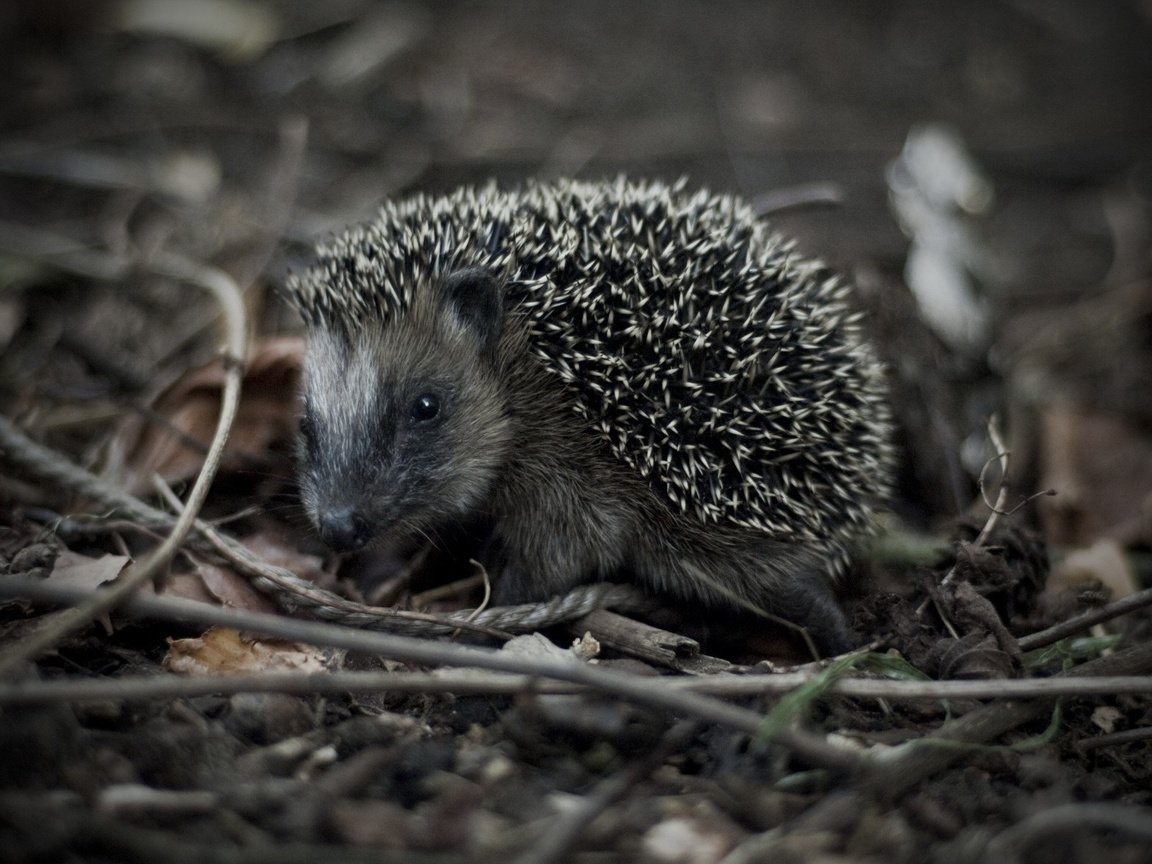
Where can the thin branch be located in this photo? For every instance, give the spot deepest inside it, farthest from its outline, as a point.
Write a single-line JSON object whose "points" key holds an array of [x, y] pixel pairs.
{"points": [[902, 768], [1114, 739], [997, 509], [1072, 626], [227, 294], [290, 590], [650, 692], [477, 682], [1067, 820]]}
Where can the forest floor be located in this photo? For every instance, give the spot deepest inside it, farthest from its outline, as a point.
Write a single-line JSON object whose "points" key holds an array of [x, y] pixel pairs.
{"points": [[981, 172]]}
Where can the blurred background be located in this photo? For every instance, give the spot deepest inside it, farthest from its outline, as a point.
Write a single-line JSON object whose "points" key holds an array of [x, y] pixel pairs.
{"points": [[981, 170]]}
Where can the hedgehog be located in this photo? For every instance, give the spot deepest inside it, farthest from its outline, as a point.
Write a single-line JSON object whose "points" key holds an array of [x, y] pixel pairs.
{"points": [[621, 380]]}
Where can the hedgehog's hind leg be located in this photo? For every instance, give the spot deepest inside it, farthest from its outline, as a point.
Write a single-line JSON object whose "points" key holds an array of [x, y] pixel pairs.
{"points": [[749, 576], [809, 602]]}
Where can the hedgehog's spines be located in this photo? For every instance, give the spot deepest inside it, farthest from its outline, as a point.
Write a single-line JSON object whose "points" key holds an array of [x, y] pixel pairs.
{"points": [[726, 370]]}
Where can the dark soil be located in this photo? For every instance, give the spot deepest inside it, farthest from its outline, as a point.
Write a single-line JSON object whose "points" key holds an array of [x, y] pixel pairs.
{"points": [[130, 129]]}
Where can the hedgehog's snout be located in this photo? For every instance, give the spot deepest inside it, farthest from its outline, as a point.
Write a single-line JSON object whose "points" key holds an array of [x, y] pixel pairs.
{"points": [[345, 530]]}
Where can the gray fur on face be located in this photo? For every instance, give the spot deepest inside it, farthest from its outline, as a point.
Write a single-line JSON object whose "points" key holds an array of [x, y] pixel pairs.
{"points": [[361, 448]]}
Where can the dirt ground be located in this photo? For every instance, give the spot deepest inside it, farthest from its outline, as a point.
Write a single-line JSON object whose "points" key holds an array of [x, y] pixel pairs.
{"points": [[981, 172]]}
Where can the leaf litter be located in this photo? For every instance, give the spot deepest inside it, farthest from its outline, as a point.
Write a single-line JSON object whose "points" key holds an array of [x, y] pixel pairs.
{"points": [[189, 151]]}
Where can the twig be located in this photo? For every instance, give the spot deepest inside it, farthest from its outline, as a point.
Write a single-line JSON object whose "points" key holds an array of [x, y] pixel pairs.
{"points": [[476, 682], [1056, 632], [1115, 738], [290, 590], [903, 767], [648, 643], [1010, 844], [486, 599], [995, 510], [226, 293], [993, 517], [650, 692], [287, 586]]}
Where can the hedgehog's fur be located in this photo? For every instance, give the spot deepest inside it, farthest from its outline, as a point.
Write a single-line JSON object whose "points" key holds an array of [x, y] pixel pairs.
{"points": [[713, 383]]}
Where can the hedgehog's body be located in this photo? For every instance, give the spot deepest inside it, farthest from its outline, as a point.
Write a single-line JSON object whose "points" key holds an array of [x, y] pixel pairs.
{"points": [[627, 380]]}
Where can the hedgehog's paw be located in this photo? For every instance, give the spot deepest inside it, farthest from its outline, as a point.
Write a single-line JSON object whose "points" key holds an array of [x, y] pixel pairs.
{"points": [[810, 603]]}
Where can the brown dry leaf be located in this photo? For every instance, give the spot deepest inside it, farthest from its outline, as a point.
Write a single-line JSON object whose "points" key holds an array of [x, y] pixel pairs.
{"points": [[213, 583], [984, 647], [232, 589], [1100, 464], [278, 550], [224, 651], [81, 571], [191, 407], [975, 656], [187, 586], [1103, 563]]}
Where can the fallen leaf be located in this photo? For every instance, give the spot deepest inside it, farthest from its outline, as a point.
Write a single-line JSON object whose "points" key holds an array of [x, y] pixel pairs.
{"points": [[231, 589], [1104, 717], [82, 571], [190, 409], [1103, 562], [224, 651], [187, 586], [277, 549], [1100, 464]]}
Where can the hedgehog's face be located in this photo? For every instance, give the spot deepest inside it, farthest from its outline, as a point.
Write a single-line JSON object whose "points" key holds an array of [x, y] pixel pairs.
{"points": [[404, 427]]}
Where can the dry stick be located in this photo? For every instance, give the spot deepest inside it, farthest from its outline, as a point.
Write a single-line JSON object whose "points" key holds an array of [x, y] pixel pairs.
{"points": [[476, 682], [285, 583], [650, 692], [997, 509], [989, 524], [798, 197], [1068, 819], [224, 290], [288, 588], [565, 832], [903, 767], [1055, 633], [1114, 739]]}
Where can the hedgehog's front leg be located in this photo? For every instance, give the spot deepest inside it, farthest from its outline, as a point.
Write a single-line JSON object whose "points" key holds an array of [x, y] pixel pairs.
{"points": [[552, 536]]}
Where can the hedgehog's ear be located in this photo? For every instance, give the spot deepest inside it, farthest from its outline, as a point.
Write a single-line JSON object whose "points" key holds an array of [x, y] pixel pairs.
{"points": [[472, 296]]}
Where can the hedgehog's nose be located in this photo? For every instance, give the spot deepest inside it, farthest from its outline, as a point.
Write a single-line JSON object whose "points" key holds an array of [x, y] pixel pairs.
{"points": [[344, 530]]}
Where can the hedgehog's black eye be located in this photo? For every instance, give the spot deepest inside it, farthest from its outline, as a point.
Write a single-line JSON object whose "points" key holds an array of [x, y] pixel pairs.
{"points": [[426, 407], [308, 433]]}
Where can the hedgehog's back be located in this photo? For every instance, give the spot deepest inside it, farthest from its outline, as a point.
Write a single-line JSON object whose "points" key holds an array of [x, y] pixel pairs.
{"points": [[722, 367]]}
